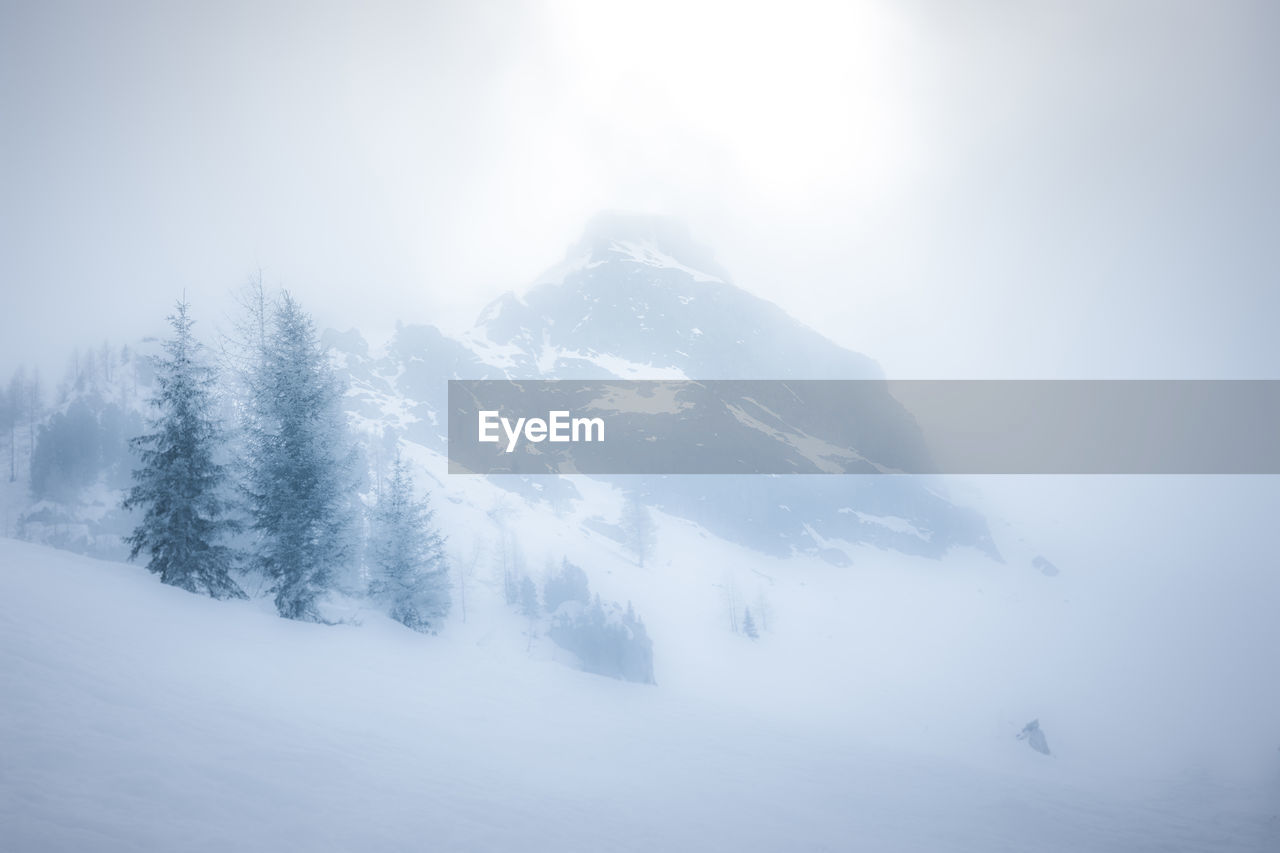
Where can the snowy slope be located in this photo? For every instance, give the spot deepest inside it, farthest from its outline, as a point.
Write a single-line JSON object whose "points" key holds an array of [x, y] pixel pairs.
{"points": [[877, 711], [135, 716]]}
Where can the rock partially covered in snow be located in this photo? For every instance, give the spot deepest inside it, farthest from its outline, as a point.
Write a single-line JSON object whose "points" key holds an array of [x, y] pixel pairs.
{"points": [[1034, 737], [1046, 568]]}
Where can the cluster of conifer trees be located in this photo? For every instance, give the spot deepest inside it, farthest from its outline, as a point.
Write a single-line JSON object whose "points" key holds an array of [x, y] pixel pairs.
{"points": [[275, 492], [245, 476]]}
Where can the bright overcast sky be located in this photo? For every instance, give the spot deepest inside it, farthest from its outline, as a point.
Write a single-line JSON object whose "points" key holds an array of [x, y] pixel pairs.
{"points": [[955, 188]]}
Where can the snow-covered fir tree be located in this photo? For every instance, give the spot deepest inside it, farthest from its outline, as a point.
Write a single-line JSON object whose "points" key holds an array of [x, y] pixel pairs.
{"points": [[180, 486], [638, 529], [749, 625], [607, 639], [11, 400], [529, 598], [410, 573], [300, 478], [567, 584]]}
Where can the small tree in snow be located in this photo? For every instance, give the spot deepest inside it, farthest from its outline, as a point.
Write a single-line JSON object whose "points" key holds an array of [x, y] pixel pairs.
{"points": [[529, 598], [508, 559], [749, 625], [10, 411], [763, 612], [638, 529], [529, 606], [466, 570], [729, 593], [410, 575]]}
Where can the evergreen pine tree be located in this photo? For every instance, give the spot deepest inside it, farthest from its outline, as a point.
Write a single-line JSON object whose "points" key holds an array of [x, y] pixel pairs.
{"points": [[638, 529], [10, 411], [410, 575], [568, 584], [179, 486], [529, 598], [301, 483], [749, 625], [606, 639]]}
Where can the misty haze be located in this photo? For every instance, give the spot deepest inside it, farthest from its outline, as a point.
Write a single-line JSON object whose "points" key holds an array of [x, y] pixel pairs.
{"points": [[259, 260]]}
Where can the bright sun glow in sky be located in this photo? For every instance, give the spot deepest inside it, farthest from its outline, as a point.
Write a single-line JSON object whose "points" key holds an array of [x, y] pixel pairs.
{"points": [[975, 189], [795, 97]]}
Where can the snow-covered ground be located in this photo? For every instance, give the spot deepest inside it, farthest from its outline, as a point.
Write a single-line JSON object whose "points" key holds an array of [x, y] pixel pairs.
{"points": [[878, 713]]}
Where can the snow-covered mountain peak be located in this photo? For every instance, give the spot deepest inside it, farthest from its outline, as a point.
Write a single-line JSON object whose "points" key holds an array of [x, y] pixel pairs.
{"points": [[654, 240], [639, 293], [493, 311], [650, 254]]}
